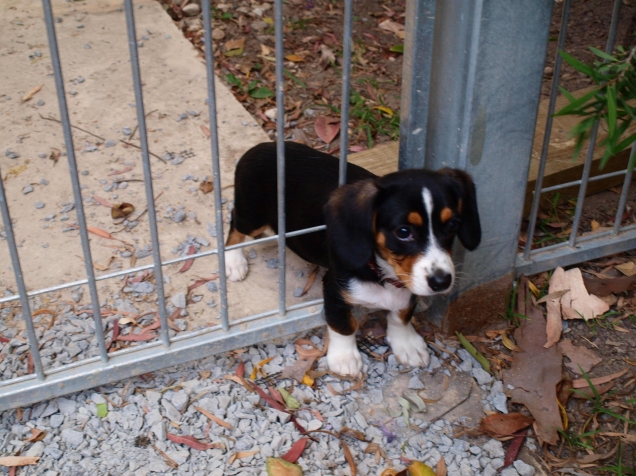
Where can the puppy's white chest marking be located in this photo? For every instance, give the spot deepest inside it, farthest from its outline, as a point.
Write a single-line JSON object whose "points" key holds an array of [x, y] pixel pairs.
{"points": [[378, 296]]}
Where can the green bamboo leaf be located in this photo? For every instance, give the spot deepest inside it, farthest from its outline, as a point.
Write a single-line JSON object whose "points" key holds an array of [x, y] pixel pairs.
{"points": [[577, 65], [261, 93], [624, 144], [611, 110], [602, 54], [474, 352], [567, 94], [578, 103], [290, 401]]}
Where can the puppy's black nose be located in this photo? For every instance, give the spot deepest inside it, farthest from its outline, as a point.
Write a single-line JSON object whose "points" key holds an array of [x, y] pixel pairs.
{"points": [[440, 281]]}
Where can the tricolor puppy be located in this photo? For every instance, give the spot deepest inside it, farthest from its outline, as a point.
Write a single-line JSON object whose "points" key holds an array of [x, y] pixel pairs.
{"points": [[388, 238]]}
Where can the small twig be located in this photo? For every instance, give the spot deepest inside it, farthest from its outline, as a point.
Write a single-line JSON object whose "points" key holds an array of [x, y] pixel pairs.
{"points": [[137, 125], [74, 127], [470, 390], [172, 463], [136, 146]]}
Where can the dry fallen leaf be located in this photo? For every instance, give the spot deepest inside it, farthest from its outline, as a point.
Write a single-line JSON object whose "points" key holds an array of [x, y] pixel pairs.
{"points": [[582, 383], [12, 461], [121, 210], [296, 450], [600, 285], [294, 58], [327, 56], [628, 269], [536, 372], [394, 27], [214, 418], [579, 355], [32, 93], [499, 424], [206, 186], [577, 303], [280, 467], [326, 128], [192, 442]]}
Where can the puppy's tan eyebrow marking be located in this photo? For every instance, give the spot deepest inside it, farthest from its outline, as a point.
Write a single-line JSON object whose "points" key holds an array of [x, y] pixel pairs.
{"points": [[446, 214], [459, 205], [415, 218]]}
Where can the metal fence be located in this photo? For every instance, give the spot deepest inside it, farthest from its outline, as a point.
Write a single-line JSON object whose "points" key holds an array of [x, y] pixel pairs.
{"points": [[109, 367], [457, 62], [577, 248]]}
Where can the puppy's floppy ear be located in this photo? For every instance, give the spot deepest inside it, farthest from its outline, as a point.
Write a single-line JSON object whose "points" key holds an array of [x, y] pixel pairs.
{"points": [[470, 230], [349, 216]]}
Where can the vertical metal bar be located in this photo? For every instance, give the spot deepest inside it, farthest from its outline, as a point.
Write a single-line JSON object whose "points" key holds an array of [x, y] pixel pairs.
{"points": [[72, 165], [626, 183], [346, 87], [19, 279], [216, 167], [590, 150], [548, 129], [145, 157], [280, 150], [416, 80]]}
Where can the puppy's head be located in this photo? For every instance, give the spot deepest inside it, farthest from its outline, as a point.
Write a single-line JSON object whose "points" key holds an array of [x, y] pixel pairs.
{"points": [[408, 220]]}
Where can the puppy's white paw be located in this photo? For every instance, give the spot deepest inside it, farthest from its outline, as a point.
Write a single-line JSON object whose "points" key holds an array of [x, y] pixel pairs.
{"points": [[343, 356], [408, 346], [235, 265]]}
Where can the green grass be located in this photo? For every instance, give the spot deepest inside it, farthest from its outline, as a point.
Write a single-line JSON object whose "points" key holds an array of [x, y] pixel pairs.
{"points": [[511, 315]]}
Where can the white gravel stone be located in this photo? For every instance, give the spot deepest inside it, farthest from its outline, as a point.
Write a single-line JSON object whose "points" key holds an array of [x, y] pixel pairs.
{"points": [[66, 406], [72, 438], [481, 376], [179, 300], [415, 383], [509, 471], [180, 401], [170, 411], [523, 469], [494, 448], [36, 450]]}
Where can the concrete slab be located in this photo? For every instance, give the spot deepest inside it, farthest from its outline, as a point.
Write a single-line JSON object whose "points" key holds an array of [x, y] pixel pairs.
{"points": [[94, 50]]}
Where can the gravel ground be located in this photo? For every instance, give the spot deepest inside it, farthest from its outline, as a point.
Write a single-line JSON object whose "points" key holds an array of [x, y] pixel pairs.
{"points": [[131, 438]]}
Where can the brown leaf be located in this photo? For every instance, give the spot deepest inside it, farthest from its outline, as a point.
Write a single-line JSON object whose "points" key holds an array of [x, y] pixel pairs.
{"points": [[326, 130], [310, 280], [100, 232], [206, 186], [206, 131], [582, 383], [307, 354], [499, 424], [32, 93], [121, 171], [579, 355], [582, 393], [240, 370], [192, 442], [298, 370], [214, 418], [102, 201], [294, 58], [121, 210], [604, 286], [36, 435], [237, 44], [577, 303], [296, 450], [393, 27], [346, 431], [200, 282], [536, 371], [326, 56], [188, 264], [12, 461], [441, 469], [513, 449], [349, 458], [628, 269], [554, 326]]}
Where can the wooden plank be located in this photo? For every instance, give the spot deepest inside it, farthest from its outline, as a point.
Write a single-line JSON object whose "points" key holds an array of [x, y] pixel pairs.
{"points": [[561, 167]]}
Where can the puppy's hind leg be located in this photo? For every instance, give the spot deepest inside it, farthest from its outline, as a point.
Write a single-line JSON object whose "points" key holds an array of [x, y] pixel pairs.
{"points": [[235, 262]]}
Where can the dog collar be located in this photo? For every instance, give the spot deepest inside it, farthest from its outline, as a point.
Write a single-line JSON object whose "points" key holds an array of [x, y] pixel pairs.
{"points": [[384, 279]]}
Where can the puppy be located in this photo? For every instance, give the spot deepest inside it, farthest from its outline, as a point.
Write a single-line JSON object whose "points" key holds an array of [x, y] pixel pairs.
{"points": [[388, 239]]}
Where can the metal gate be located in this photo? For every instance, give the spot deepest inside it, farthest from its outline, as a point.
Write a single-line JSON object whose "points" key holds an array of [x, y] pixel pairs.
{"points": [[459, 56]]}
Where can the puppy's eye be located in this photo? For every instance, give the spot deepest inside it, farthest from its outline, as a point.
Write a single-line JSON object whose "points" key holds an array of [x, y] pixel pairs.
{"points": [[452, 225], [404, 233]]}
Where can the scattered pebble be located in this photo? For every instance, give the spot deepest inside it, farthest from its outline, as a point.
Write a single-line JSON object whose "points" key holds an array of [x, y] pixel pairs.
{"points": [[39, 205], [11, 154], [27, 189], [272, 263]]}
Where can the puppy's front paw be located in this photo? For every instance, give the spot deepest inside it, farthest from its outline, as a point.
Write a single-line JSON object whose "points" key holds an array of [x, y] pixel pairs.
{"points": [[235, 265], [408, 346], [343, 356]]}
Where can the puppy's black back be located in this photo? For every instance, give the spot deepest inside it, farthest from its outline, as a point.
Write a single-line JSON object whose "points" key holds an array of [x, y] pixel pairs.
{"points": [[310, 177]]}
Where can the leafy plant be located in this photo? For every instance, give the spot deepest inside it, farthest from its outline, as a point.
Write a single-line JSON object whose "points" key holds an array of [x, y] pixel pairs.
{"points": [[254, 88], [608, 102]]}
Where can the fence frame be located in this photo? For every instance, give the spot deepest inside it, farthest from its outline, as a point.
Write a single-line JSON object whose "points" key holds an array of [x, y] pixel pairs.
{"points": [[463, 103]]}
